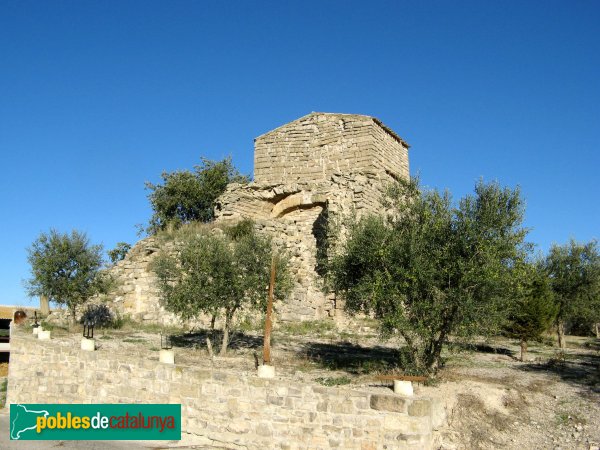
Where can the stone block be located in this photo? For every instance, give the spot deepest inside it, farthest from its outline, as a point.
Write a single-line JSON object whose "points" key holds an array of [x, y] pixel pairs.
{"points": [[410, 441], [196, 375], [294, 392], [420, 408], [258, 382], [361, 403], [388, 403], [233, 406], [438, 413], [275, 400], [264, 429]]}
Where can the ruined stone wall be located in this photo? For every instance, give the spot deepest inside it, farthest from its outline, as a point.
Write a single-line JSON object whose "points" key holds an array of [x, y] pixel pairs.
{"points": [[136, 293], [315, 146], [298, 217], [220, 408], [314, 171]]}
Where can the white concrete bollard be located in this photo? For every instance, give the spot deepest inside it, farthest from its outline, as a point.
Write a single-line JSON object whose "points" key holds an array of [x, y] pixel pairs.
{"points": [[265, 371], [167, 357], [43, 335], [403, 387], [89, 345]]}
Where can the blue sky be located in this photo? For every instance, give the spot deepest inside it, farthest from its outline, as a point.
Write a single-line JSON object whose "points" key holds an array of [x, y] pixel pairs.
{"points": [[98, 97]]}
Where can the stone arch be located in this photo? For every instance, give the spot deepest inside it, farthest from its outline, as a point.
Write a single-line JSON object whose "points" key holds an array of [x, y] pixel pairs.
{"points": [[296, 201]]}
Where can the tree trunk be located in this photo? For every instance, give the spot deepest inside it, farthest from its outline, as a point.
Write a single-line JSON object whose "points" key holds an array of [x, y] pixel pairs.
{"points": [[73, 318], [434, 351], [225, 341], [211, 332], [44, 305], [598, 330], [209, 347], [560, 331], [523, 349]]}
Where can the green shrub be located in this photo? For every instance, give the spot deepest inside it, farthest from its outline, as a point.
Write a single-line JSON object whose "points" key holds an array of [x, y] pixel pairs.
{"points": [[98, 315]]}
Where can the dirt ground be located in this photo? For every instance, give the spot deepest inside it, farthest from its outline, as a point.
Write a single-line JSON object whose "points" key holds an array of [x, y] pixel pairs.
{"points": [[495, 401], [492, 400]]}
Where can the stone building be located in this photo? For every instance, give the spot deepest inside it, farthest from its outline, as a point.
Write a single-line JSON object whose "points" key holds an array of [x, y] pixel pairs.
{"points": [[318, 168]]}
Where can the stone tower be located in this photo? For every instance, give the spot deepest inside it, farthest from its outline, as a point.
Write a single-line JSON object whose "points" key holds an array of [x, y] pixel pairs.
{"points": [[320, 145], [307, 172]]}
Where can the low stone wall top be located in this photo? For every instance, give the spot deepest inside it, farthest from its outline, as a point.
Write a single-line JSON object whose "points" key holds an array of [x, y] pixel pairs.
{"points": [[234, 410]]}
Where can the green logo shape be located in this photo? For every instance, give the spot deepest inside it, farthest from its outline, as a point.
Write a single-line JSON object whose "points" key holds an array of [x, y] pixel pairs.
{"points": [[119, 421]]}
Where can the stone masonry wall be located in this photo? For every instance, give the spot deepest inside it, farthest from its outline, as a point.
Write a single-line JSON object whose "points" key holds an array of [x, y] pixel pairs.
{"points": [[319, 169], [233, 410], [298, 216], [312, 148], [136, 293], [388, 155], [295, 215]]}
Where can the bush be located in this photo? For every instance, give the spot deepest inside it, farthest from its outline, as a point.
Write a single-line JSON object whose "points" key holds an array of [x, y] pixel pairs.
{"points": [[119, 252], [186, 196], [99, 315]]}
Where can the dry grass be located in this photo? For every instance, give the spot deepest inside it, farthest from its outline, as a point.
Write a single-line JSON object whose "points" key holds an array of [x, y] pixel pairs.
{"points": [[471, 408], [3, 369]]}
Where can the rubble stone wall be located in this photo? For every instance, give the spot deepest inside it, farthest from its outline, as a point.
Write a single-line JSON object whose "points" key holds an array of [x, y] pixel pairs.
{"points": [[221, 408], [314, 171], [136, 293], [298, 217]]}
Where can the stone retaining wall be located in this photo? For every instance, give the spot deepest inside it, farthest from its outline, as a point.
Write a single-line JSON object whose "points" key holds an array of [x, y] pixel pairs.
{"points": [[234, 410]]}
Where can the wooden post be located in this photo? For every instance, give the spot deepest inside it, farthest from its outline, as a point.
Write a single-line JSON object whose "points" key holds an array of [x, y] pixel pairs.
{"points": [[268, 323]]}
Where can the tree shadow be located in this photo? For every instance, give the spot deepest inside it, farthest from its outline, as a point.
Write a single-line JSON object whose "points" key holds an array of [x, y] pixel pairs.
{"points": [[350, 357], [237, 340], [579, 369], [320, 233], [592, 345], [482, 348]]}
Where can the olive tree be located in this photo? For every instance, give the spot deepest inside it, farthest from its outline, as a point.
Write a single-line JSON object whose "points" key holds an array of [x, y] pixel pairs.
{"points": [[534, 308], [432, 268], [574, 269], [65, 268], [219, 273]]}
